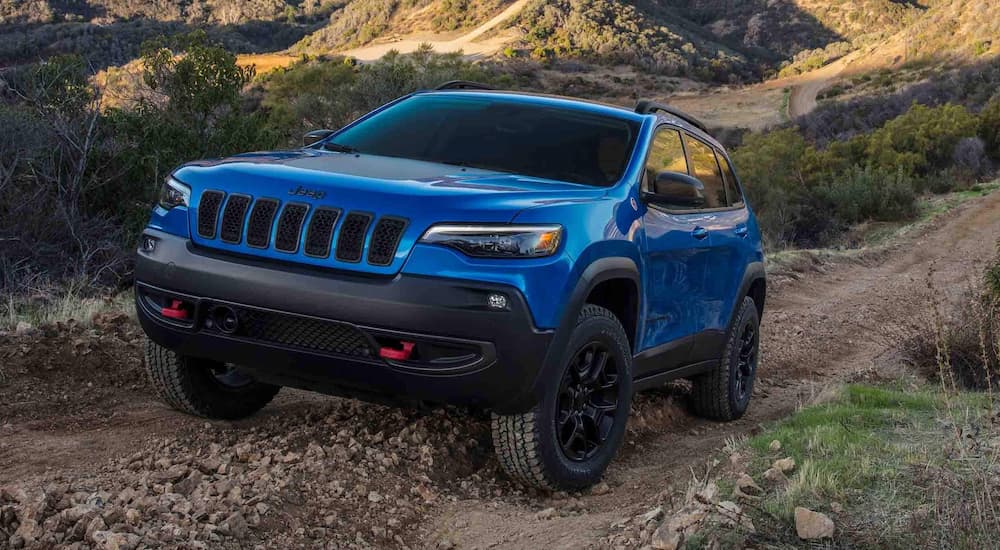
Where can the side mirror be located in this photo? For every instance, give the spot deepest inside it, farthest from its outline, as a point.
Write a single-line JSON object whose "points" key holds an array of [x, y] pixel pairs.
{"points": [[677, 189], [315, 136]]}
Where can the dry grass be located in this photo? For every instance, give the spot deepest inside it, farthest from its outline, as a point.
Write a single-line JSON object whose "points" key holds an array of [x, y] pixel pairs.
{"points": [[43, 308], [266, 62]]}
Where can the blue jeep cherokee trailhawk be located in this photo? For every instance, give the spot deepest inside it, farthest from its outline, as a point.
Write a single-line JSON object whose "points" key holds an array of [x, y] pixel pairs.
{"points": [[536, 256]]}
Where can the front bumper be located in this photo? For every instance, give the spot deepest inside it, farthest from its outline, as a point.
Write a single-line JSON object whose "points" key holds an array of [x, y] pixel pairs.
{"points": [[322, 330]]}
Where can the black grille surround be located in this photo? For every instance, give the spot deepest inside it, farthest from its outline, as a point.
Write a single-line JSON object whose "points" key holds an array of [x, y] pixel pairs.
{"points": [[290, 227], [319, 235], [351, 239], [385, 240], [233, 216], [315, 231], [208, 212], [261, 221]]}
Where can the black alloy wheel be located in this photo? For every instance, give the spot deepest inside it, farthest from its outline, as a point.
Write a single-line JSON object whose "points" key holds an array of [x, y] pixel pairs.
{"points": [[588, 402]]}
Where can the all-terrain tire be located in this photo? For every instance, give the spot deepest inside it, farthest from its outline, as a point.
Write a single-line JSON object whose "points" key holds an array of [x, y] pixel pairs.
{"points": [[528, 444], [190, 385], [718, 395]]}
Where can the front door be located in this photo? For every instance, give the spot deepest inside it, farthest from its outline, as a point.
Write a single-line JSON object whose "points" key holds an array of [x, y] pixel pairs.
{"points": [[678, 257]]}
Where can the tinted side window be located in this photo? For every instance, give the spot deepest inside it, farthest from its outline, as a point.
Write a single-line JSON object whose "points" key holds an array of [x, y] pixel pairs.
{"points": [[666, 154], [735, 199], [706, 168]]}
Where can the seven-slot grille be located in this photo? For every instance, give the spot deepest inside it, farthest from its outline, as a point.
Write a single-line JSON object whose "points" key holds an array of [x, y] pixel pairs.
{"points": [[266, 223]]}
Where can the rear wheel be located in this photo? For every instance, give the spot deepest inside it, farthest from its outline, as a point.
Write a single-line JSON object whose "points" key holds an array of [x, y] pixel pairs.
{"points": [[568, 439], [205, 388], [724, 393]]}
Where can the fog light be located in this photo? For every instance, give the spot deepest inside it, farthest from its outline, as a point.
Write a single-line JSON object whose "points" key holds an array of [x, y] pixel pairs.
{"points": [[148, 244], [497, 301]]}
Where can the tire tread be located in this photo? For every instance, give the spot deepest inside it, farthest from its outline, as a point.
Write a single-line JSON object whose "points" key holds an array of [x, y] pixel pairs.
{"points": [[517, 437]]}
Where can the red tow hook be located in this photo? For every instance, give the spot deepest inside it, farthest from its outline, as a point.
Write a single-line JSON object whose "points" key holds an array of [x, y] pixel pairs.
{"points": [[397, 354], [175, 311]]}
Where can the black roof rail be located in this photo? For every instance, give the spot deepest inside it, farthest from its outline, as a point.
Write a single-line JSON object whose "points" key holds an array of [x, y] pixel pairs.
{"points": [[647, 106], [463, 85]]}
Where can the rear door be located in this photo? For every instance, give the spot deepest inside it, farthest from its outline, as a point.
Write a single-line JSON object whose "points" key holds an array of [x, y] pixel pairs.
{"points": [[732, 243], [678, 262], [719, 218]]}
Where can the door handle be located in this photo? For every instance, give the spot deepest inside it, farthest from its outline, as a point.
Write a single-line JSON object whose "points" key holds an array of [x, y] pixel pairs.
{"points": [[742, 231], [699, 233]]}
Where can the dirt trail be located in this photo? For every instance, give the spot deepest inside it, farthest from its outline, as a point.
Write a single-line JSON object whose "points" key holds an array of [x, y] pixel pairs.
{"points": [[74, 410], [803, 95], [466, 43]]}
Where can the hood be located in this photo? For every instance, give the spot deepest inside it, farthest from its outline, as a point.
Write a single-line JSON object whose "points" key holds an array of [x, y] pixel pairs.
{"points": [[290, 204]]}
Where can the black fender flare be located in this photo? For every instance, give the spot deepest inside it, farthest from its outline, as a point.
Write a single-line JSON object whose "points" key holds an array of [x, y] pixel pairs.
{"points": [[754, 272], [603, 269]]}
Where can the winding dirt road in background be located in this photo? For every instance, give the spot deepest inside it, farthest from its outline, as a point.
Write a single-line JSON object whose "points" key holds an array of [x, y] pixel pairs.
{"points": [[466, 43], [74, 409], [806, 88]]}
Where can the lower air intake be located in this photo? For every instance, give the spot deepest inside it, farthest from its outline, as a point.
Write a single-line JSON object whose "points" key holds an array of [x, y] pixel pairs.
{"points": [[302, 332]]}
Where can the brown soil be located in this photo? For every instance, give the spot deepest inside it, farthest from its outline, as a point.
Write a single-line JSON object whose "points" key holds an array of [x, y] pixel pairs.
{"points": [[86, 452]]}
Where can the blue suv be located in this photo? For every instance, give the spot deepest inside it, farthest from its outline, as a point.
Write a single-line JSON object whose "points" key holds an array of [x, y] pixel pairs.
{"points": [[538, 257]]}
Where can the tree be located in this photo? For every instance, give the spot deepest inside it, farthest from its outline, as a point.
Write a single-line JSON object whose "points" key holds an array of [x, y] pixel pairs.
{"points": [[199, 81]]}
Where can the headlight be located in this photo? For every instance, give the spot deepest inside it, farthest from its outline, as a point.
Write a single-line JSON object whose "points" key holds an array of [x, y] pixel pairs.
{"points": [[497, 241], [174, 193]]}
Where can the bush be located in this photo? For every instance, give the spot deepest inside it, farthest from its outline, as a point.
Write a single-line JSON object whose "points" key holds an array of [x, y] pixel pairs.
{"points": [[922, 139], [965, 348], [989, 127], [970, 156], [76, 183], [808, 197], [864, 194]]}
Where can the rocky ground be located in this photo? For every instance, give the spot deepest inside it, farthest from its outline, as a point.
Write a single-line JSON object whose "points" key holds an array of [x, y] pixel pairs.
{"points": [[88, 459]]}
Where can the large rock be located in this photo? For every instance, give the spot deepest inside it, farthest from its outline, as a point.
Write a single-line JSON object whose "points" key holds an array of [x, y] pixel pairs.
{"points": [[775, 476], [665, 539], [785, 465], [747, 489], [812, 525]]}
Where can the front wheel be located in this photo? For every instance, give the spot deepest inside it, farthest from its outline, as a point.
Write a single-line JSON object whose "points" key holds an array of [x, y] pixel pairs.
{"points": [[205, 388], [568, 439], [724, 393]]}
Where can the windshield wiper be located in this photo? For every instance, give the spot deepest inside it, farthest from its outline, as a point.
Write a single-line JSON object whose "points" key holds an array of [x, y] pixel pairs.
{"points": [[338, 148]]}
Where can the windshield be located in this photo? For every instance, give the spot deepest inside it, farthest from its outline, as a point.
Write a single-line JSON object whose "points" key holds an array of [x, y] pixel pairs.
{"points": [[498, 134]]}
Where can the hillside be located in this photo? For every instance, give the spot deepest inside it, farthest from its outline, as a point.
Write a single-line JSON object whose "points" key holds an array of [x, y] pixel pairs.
{"points": [[721, 42], [110, 32]]}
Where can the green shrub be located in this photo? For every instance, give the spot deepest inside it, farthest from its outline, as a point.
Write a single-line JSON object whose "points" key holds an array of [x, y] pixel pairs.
{"points": [[922, 139], [863, 194], [989, 127]]}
